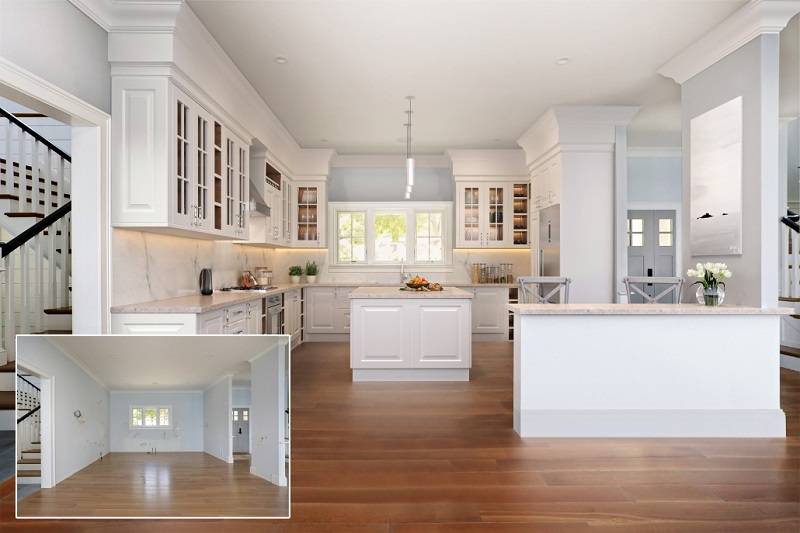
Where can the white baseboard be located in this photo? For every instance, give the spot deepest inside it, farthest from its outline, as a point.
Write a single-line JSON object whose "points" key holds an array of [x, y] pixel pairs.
{"points": [[792, 363], [651, 423], [410, 374]]}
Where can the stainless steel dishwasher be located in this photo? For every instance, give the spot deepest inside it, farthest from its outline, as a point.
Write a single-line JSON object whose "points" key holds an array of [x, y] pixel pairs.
{"points": [[273, 312]]}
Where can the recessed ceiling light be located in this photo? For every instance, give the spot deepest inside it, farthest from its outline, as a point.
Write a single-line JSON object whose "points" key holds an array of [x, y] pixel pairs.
{"points": [[281, 60], [324, 140], [210, 355], [563, 61], [155, 383], [495, 140]]}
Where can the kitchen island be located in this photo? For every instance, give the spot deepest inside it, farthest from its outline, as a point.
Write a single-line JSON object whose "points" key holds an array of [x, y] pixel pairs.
{"points": [[628, 370], [400, 335]]}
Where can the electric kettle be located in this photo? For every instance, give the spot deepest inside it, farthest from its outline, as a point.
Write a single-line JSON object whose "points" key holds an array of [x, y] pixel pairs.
{"points": [[206, 285]]}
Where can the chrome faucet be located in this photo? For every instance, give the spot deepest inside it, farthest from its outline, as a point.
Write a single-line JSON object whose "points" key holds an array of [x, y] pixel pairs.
{"points": [[403, 274]]}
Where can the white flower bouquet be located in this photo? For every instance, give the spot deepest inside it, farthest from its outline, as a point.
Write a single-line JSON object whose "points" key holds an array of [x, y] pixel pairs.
{"points": [[710, 274]]}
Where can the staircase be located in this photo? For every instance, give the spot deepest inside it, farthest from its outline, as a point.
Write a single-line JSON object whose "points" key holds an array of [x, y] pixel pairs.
{"points": [[790, 290], [29, 446], [35, 218]]}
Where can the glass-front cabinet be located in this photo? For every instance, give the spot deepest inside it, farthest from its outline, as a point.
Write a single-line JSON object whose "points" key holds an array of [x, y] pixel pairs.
{"points": [[180, 170], [487, 215], [310, 214]]}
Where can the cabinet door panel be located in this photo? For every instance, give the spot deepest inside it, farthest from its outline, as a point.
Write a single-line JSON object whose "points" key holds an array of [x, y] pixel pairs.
{"points": [[439, 326], [488, 310], [380, 337], [322, 309]]}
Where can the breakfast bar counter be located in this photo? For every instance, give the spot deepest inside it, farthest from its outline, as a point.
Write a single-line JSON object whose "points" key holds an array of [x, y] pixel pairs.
{"points": [[406, 335], [642, 370]]}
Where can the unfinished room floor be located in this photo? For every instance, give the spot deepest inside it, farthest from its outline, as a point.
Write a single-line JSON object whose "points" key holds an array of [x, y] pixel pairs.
{"points": [[177, 484]]}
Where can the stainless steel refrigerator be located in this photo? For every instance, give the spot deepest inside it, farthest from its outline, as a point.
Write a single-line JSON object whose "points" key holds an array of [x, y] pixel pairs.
{"points": [[550, 241]]}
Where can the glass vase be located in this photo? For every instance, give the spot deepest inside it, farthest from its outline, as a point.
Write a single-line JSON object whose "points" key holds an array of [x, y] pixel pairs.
{"points": [[710, 296]]}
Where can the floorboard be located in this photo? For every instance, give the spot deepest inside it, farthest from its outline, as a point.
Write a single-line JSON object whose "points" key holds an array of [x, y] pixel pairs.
{"points": [[437, 458]]}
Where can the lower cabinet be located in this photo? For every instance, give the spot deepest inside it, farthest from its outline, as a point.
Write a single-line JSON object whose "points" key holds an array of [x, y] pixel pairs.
{"points": [[327, 313], [489, 313], [243, 318], [293, 315], [421, 340]]}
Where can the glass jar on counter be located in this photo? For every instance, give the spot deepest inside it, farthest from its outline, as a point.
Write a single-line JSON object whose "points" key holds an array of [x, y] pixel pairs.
{"points": [[476, 272]]}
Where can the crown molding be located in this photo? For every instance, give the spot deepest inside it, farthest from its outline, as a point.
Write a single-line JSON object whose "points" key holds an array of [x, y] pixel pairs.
{"points": [[53, 340], [131, 15], [757, 18]]}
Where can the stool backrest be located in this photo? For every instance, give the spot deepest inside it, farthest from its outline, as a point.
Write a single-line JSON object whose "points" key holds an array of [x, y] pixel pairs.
{"points": [[532, 289], [637, 286]]}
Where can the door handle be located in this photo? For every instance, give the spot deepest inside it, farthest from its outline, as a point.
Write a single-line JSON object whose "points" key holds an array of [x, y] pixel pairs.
{"points": [[240, 431], [649, 275]]}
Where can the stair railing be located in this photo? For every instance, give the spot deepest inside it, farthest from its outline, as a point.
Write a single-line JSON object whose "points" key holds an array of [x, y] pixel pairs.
{"points": [[790, 255], [28, 415], [36, 263]]}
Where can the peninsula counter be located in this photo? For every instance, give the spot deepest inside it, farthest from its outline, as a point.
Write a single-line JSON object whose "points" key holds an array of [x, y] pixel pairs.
{"points": [[398, 335], [627, 370]]}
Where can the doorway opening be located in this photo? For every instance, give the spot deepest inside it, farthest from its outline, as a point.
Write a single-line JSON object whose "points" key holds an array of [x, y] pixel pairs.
{"points": [[652, 246]]}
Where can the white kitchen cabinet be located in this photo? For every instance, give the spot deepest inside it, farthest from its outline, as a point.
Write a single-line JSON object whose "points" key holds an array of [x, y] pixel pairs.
{"points": [[546, 184], [293, 315], [410, 339], [233, 320], [175, 165], [489, 313], [327, 311], [287, 211], [309, 214], [491, 214]]}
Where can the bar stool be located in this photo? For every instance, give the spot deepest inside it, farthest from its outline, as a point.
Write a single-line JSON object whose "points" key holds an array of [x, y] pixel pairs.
{"points": [[532, 288], [635, 285]]}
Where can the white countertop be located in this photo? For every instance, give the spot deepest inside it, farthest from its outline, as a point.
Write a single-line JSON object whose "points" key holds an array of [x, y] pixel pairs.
{"points": [[197, 303], [396, 292], [642, 309]]}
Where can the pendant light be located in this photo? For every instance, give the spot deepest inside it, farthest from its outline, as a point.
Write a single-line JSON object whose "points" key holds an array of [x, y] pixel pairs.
{"points": [[409, 159]]}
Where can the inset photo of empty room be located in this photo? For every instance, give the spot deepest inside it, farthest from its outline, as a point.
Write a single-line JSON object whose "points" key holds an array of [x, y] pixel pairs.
{"points": [[161, 426]]}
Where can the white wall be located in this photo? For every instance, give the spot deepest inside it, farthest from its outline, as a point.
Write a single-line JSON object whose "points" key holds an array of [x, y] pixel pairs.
{"points": [[750, 72], [654, 178], [54, 40], [267, 428], [242, 396], [217, 432], [186, 434], [78, 442], [388, 185]]}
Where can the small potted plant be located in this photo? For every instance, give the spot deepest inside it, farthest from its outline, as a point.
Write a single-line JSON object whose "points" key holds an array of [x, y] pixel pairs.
{"points": [[294, 273], [710, 275], [311, 271]]}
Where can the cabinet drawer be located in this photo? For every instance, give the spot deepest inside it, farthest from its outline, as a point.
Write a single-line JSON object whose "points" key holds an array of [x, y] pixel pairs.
{"points": [[235, 313]]}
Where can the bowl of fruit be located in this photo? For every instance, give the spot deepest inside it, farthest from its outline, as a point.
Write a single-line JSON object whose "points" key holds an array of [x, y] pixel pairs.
{"points": [[417, 283]]}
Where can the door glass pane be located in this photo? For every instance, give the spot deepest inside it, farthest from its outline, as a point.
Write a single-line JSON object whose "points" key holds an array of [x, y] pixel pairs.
{"points": [[665, 239], [637, 239], [637, 225], [235, 416], [244, 416], [665, 225]]}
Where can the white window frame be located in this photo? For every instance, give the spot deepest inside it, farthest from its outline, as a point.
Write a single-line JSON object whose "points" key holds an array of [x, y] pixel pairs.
{"points": [[371, 209], [156, 407]]}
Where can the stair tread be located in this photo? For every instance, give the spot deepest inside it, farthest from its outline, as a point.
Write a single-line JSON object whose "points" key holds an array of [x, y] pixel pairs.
{"points": [[794, 316], [59, 311], [788, 299], [33, 450], [34, 461], [8, 400], [54, 332], [29, 473], [11, 366], [790, 351], [24, 215]]}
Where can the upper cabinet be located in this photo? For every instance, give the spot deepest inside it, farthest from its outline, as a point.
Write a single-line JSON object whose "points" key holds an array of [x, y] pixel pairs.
{"points": [[489, 214], [310, 214], [546, 184], [177, 168]]}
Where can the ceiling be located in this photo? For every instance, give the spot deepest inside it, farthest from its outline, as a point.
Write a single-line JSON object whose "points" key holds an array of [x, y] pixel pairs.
{"points": [[174, 363], [482, 71]]}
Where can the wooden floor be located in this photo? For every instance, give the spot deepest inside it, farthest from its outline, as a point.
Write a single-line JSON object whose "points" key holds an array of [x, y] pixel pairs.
{"points": [[178, 484], [434, 457]]}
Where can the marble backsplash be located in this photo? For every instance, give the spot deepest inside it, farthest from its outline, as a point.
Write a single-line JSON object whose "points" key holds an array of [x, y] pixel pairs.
{"points": [[150, 266]]}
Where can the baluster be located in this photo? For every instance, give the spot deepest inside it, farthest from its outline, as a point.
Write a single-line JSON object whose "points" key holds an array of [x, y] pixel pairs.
{"points": [[795, 291], [35, 175], [8, 188], [8, 308], [23, 190], [24, 290], [52, 267], [38, 287], [66, 259]]}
